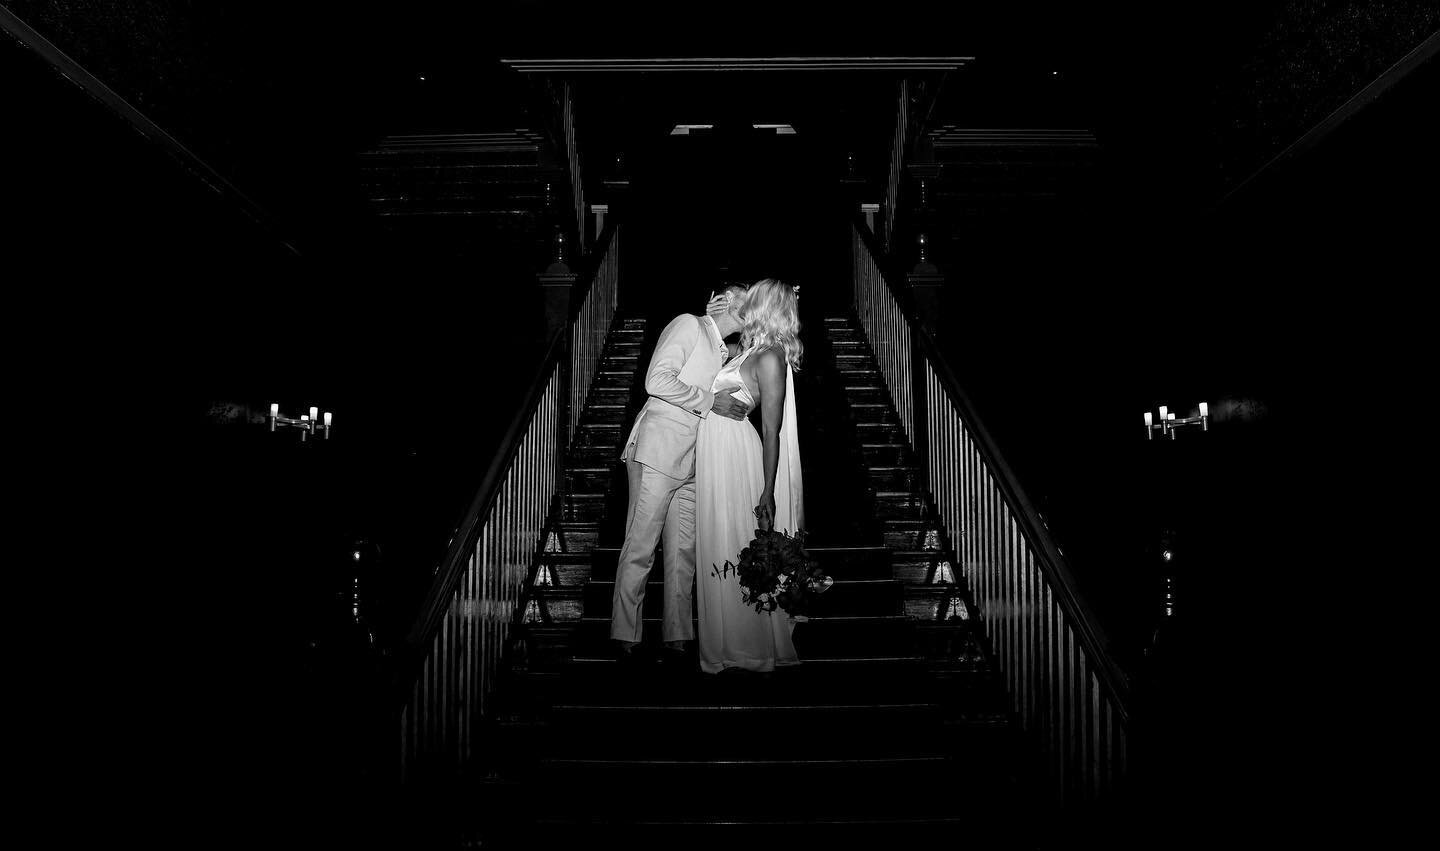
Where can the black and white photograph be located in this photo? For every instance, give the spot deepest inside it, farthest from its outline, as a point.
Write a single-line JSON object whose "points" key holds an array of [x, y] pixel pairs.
{"points": [[561, 425]]}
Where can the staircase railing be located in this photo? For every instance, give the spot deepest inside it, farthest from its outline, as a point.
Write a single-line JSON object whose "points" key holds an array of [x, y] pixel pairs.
{"points": [[454, 649], [1064, 685]]}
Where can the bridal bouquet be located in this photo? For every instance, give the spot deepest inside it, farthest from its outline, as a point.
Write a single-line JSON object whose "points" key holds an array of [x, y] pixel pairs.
{"points": [[776, 572]]}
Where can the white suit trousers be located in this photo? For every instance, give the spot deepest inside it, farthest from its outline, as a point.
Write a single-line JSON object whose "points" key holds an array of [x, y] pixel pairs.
{"points": [[658, 504]]}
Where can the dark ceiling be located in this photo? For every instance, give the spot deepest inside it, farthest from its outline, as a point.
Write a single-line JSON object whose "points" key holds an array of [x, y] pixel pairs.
{"points": [[280, 96]]}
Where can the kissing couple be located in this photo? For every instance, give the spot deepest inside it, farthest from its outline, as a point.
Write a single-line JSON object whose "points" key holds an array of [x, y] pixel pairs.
{"points": [[703, 479]]}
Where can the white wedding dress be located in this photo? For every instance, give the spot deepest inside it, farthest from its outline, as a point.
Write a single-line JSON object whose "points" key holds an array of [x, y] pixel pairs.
{"points": [[728, 479]]}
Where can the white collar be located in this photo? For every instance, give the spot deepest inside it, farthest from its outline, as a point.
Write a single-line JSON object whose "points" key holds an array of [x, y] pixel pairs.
{"points": [[709, 322]]}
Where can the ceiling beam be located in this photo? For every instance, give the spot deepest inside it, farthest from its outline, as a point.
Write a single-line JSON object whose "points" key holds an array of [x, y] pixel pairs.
{"points": [[1377, 87], [92, 85], [778, 63], [952, 136]]}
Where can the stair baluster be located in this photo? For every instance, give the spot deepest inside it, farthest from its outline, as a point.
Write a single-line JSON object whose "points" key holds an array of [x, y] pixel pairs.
{"points": [[1064, 687]]}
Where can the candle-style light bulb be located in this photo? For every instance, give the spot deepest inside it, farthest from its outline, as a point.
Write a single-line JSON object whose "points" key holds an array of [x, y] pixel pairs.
{"points": [[328, 418], [304, 418], [1172, 416], [1164, 413], [1148, 420], [1204, 409], [314, 413], [274, 409]]}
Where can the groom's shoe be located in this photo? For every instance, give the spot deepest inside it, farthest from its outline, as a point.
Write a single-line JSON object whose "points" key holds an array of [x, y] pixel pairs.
{"points": [[676, 660], [630, 656]]}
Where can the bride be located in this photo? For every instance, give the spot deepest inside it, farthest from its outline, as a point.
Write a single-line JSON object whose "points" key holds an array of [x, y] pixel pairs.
{"points": [[745, 480]]}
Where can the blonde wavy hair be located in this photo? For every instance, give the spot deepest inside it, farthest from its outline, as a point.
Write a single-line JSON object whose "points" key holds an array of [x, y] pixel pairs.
{"points": [[770, 317]]}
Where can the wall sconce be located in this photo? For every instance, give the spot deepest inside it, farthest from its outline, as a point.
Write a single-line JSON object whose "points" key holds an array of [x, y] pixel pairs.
{"points": [[307, 423], [1169, 423]]}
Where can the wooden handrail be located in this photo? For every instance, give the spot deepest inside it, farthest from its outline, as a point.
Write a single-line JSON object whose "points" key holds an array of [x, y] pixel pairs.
{"points": [[1054, 564]]}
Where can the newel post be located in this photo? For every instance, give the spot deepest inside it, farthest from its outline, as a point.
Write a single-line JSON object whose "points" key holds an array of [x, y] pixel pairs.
{"points": [[870, 210], [599, 211], [925, 282], [557, 282]]}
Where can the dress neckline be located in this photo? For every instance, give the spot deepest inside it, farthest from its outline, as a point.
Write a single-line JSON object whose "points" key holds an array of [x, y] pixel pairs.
{"points": [[740, 358]]}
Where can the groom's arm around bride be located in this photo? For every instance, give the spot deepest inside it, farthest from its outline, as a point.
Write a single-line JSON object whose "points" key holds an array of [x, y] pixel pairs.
{"points": [[673, 351]]}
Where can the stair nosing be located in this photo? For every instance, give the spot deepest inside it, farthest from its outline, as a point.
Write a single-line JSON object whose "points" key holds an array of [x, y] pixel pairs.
{"points": [[816, 619], [902, 760], [739, 707], [659, 582], [819, 660]]}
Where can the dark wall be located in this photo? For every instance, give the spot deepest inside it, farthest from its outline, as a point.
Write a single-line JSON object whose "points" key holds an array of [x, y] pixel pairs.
{"points": [[207, 550], [1281, 302], [1293, 308], [200, 309]]}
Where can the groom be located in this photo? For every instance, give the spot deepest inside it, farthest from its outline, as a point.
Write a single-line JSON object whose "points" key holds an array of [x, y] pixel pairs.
{"points": [[659, 461]]}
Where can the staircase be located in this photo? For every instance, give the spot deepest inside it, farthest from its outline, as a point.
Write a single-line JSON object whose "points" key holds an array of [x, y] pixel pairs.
{"points": [[893, 728]]}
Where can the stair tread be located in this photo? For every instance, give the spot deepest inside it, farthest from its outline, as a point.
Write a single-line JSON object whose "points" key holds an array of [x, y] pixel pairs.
{"points": [[826, 619], [695, 763], [769, 824], [823, 550], [656, 583], [722, 707], [835, 661]]}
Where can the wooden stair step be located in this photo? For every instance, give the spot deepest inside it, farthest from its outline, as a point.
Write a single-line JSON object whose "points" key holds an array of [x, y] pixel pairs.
{"points": [[608, 396], [912, 534], [845, 597], [887, 454], [838, 680], [961, 687], [590, 479], [647, 731], [595, 454], [607, 414], [838, 562], [871, 411], [895, 477], [577, 535], [584, 507], [918, 567], [904, 786], [901, 505], [567, 569], [819, 637], [562, 603]]}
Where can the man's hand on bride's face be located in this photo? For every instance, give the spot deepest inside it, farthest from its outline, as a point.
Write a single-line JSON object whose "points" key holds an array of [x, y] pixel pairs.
{"points": [[726, 406], [718, 304]]}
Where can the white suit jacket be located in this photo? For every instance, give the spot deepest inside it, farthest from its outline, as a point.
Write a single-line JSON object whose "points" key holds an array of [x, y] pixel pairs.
{"points": [[682, 370]]}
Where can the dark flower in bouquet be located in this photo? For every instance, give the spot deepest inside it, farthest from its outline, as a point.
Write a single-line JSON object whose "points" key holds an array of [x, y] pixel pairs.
{"points": [[775, 572]]}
